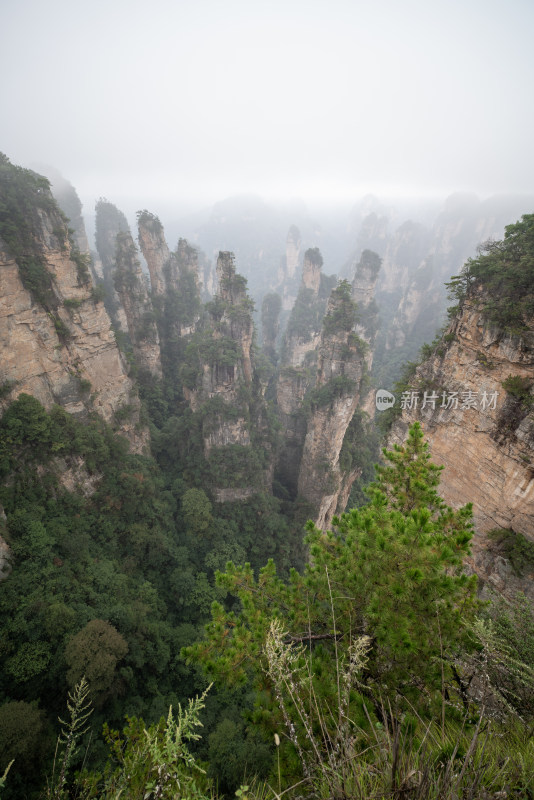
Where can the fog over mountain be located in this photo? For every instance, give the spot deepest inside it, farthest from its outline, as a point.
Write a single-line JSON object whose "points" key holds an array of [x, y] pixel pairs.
{"points": [[179, 105]]}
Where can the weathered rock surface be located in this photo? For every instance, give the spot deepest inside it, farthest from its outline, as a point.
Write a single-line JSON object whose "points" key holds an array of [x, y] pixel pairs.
{"points": [[298, 366], [485, 440], [109, 223], [69, 355], [133, 293], [288, 270], [487, 451], [234, 429], [155, 250], [340, 367]]}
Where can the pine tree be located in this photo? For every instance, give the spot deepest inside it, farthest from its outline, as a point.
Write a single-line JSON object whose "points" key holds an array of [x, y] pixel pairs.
{"points": [[391, 571]]}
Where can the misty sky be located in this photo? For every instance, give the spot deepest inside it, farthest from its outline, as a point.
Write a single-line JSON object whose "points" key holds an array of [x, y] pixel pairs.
{"points": [[180, 99]]}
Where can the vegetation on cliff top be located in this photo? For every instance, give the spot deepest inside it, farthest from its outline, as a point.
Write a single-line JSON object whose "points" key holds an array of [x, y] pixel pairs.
{"points": [[23, 194], [501, 278]]}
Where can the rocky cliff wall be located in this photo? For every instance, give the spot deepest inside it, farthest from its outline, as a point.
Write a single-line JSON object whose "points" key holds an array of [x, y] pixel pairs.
{"points": [[109, 223], [56, 341], [480, 433], [332, 403], [135, 299], [155, 249], [222, 388], [485, 438]]}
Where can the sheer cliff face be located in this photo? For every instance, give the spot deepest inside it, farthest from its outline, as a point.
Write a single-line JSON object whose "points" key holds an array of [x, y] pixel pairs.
{"points": [[133, 293], [155, 250], [293, 244], [110, 222], [304, 327], [56, 342], [335, 397], [288, 270], [222, 355], [69, 202], [318, 387], [298, 365], [486, 440], [229, 332], [174, 277]]}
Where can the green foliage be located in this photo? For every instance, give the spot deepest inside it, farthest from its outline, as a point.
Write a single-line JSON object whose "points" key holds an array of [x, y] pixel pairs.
{"points": [[360, 450], [313, 254], [504, 663], [519, 387], [371, 261], [23, 744], [149, 220], [61, 328], [407, 381], [341, 314], [95, 652], [223, 351], [3, 778], [82, 262], [153, 762], [234, 284], [23, 194], [334, 389], [270, 311], [196, 510], [101, 552], [235, 754], [98, 293], [501, 278], [79, 708], [6, 388], [306, 316], [109, 221], [516, 548], [72, 303], [392, 571], [236, 465]]}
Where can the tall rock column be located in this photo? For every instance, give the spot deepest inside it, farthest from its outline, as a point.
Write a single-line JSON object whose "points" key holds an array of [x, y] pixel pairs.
{"points": [[332, 403], [223, 392], [288, 270], [298, 364], [109, 223], [154, 248], [133, 293]]}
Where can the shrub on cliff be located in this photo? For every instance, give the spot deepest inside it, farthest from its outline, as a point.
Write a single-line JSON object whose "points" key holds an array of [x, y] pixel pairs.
{"points": [[504, 272]]}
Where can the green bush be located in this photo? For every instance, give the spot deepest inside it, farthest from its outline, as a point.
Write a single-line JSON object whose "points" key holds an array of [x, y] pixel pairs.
{"points": [[504, 274], [519, 387]]}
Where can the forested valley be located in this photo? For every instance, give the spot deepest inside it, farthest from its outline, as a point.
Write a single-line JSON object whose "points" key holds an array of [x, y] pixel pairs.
{"points": [[207, 589]]}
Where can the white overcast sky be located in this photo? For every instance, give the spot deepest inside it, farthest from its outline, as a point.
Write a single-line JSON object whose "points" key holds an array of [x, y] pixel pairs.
{"points": [[181, 99]]}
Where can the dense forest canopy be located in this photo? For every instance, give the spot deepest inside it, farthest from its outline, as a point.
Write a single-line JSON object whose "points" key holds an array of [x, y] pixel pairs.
{"points": [[351, 660]]}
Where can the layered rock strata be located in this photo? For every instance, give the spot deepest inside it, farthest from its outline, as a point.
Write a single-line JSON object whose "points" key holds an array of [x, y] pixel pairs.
{"points": [[298, 365], [335, 397], [56, 341], [223, 389], [133, 293], [109, 223], [480, 433]]}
